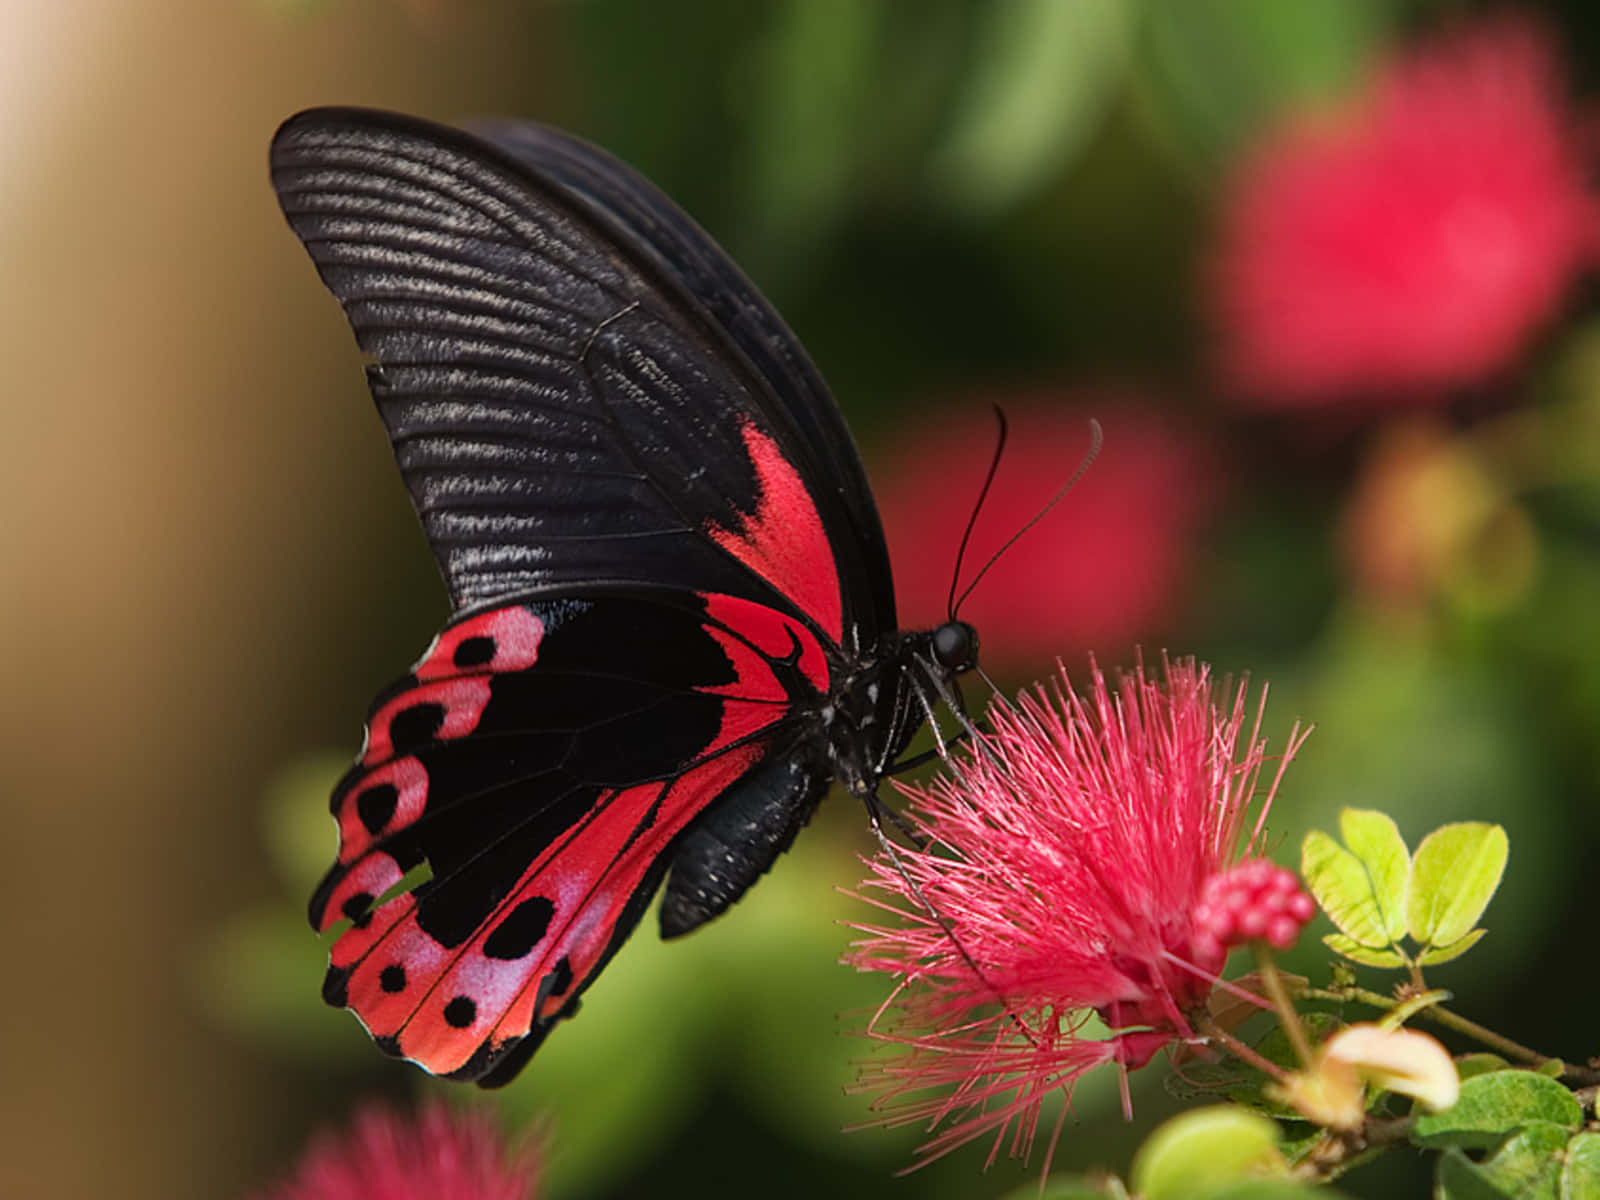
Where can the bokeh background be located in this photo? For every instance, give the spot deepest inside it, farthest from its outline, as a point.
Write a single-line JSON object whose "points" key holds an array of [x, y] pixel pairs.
{"points": [[1322, 269]]}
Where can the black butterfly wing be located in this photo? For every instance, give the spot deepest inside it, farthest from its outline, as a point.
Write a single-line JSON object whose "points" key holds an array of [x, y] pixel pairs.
{"points": [[640, 215], [579, 386], [543, 759]]}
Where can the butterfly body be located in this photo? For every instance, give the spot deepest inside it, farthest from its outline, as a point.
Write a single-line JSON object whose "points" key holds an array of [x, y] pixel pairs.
{"points": [[674, 619]]}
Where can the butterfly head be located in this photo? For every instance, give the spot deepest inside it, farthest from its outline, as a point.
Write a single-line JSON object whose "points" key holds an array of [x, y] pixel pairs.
{"points": [[954, 646]]}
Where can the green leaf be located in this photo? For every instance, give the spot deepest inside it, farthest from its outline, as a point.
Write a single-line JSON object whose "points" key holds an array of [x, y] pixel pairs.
{"points": [[1459, 1178], [1493, 1105], [1356, 952], [1203, 1148], [1344, 887], [1043, 78], [1580, 1177], [1375, 839], [1454, 875], [1528, 1166], [1443, 954], [1470, 1065]]}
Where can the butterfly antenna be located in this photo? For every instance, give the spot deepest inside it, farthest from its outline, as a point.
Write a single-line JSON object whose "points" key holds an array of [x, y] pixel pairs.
{"points": [[972, 521], [1096, 440]]}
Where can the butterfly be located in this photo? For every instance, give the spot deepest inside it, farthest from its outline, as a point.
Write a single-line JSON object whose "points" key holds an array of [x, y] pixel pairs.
{"points": [[673, 619]]}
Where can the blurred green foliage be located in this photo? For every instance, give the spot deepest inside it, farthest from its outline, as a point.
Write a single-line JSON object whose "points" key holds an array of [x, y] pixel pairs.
{"points": [[953, 200]]}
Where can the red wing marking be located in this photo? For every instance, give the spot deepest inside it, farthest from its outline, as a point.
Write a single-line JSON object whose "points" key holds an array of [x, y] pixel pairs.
{"points": [[453, 677], [772, 633], [390, 797], [561, 917], [783, 541], [460, 701], [505, 639]]}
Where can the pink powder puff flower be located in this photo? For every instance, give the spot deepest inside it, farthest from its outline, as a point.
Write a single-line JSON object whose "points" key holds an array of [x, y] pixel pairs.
{"points": [[1107, 568], [438, 1155], [1414, 241], [1068, 853]]}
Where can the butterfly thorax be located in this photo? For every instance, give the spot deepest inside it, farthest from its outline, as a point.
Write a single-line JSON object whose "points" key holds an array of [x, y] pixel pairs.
{"points": [[882, 699]]}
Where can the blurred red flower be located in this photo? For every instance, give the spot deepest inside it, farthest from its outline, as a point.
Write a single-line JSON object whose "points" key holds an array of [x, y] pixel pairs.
{"points": [[438, 1155], [1414, 240], [1101, 571], [1070, 857]]}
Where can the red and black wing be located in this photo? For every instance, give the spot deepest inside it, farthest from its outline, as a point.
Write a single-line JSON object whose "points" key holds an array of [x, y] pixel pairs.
{"points": [[542, 759], [658, 539], [578, 384]]}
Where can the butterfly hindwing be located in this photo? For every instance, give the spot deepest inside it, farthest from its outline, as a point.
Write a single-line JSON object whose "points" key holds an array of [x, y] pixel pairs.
{"points": [[544, 759]]}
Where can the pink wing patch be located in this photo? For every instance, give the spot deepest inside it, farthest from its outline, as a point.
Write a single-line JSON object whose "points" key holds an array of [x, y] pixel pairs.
{"points": [[783, 540]]}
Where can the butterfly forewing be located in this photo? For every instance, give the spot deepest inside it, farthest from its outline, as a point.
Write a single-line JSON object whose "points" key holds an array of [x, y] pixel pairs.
{"points": [[704, 278], [562, 408]]}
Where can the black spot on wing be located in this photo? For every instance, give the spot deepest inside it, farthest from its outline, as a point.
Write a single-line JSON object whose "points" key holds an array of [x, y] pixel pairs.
{"points": [[522, 929], [392, 979], [415, 726], [358, 908], [336, 986], [460, 1012], [474, 652], [376, 806]]}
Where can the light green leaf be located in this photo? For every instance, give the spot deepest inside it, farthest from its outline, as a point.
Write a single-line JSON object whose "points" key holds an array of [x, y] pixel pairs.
{"points": [[1470, 1065], [1443, 954], [1343, 889], [1580, 1177], [1459, 1178], [1454, 875], [1203, 1148], [1044, 76], [1493, 1105], [1528, 1166], [1375, 839], [1356, 952]]}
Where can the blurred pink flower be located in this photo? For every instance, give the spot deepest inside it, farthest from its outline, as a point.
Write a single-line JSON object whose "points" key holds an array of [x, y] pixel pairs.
{"points": [[438, 1155], [1068, 856], [1415, 240], [1103, 570]]}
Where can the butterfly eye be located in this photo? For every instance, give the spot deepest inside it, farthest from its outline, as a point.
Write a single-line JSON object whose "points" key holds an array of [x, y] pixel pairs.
{"points": [[955, 646]]}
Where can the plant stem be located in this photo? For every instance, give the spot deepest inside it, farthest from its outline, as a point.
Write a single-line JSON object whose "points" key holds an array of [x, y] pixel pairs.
{"points": [[1335, 1153], [1239, 1050], [1462, 1025], [1288, 1015]]}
